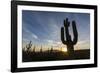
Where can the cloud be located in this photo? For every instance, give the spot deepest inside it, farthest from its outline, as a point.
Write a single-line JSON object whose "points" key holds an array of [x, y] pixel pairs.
{"points": [[34, 36], [50, 41], [54, 43], [31, 34], [27, 31], [25, 40], [59, 43], [83, 42]]}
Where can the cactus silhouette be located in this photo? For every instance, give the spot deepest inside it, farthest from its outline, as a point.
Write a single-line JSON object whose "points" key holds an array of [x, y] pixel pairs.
{"points": [[66, 37], [28, 46]]}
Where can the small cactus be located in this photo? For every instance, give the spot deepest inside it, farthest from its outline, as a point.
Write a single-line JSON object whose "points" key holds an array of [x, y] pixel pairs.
{"points": [[28, 46]]}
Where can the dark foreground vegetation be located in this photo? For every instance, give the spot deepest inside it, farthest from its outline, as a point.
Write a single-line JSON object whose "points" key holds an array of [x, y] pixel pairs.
{"points": [[28, 56]]}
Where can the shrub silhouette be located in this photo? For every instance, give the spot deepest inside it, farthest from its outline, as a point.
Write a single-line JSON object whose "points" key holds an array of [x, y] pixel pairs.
{"points": [[28, 46], [66, 37]]}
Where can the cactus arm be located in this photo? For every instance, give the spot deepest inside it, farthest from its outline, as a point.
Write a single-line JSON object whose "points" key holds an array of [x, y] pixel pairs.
{"points": [[62, 36], [75, 33], [66, 25]]}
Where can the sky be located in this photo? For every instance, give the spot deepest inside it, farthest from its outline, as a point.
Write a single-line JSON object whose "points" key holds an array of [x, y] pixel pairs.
{"points": [[43, 28]]}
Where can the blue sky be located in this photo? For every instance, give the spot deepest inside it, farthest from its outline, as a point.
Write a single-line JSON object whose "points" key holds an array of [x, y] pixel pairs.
{"points": [[43, 28]]}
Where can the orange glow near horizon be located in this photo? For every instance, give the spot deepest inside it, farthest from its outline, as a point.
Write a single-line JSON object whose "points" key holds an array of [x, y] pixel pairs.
{"points": [[64, 49]]}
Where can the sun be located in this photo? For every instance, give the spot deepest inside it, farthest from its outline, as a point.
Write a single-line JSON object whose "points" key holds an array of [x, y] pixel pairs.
{"points": [[64, 49]]}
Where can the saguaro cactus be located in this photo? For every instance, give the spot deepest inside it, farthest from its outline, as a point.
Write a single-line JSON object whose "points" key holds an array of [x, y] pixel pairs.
{"points": [[66, 37]]}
